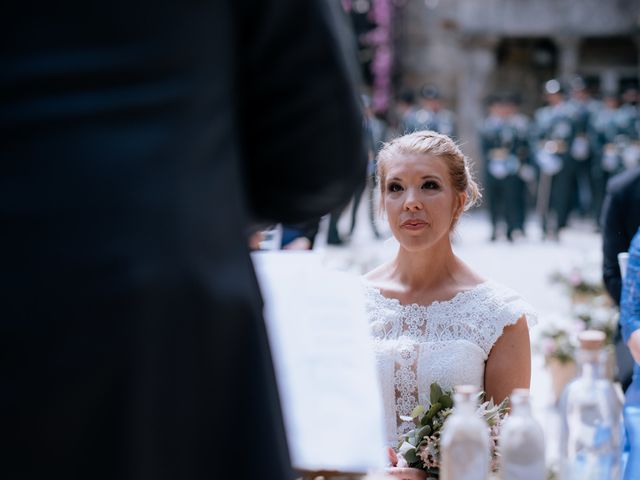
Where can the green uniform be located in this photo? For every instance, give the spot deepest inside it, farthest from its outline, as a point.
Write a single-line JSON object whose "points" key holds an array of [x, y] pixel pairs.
{"points": [[617, 146], [553, 136], [505, 154], [442, 121], [583, 150]]}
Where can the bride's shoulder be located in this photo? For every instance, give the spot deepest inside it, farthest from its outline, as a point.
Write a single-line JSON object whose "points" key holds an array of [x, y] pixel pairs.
{"points": [[506, 303]]}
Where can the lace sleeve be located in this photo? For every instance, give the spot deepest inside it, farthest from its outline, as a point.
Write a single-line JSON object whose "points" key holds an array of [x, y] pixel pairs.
{"points": [[505, 308]]}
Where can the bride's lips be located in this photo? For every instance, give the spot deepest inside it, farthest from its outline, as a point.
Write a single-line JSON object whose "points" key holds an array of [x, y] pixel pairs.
{"points": [[413, 224]]}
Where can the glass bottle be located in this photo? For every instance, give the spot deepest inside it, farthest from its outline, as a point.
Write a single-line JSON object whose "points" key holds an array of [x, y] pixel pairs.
{"points": [[591, 417], [464, 443], [521, 442]]}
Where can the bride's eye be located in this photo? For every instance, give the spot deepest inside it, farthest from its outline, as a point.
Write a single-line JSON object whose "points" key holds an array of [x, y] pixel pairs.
{"points": [[431, 185], [394, 187]]}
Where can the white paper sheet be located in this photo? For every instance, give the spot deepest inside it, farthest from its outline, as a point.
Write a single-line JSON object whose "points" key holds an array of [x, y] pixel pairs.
{"points": [[324, 363]]}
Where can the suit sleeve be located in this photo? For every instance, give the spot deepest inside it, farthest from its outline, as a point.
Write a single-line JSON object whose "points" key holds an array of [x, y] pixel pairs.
{"points": [[612, 244], [300, 123]]}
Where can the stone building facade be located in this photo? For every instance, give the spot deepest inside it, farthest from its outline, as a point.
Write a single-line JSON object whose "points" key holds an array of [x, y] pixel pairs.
{"points": [[472, 48]]}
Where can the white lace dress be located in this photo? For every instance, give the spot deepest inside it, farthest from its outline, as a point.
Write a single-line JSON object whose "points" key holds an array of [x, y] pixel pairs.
{"points": [[446, 342]]}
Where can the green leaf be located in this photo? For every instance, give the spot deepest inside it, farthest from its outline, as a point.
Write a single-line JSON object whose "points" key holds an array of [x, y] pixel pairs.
{"points": [[446, 401], [404, 447], [435, 408], [435, 392], [411, 456], [425, 420], [419, 410]]}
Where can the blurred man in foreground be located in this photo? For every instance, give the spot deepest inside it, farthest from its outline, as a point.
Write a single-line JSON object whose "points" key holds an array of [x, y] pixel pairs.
{"points": [[140, 139]]}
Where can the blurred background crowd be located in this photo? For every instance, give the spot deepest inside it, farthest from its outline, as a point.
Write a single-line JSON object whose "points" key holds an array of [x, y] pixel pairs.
{"points": [[543, 96]]}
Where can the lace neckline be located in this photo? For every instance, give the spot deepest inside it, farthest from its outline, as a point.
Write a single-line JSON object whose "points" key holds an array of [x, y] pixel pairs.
{"points": [[451, 301]]}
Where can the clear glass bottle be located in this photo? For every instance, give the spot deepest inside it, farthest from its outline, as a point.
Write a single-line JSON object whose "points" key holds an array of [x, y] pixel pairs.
{"points": [[521, 442], [591, 417], [464, 443]]}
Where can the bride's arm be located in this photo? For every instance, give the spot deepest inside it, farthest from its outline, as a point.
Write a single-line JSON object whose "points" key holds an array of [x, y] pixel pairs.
{"points": [[509, 362]]}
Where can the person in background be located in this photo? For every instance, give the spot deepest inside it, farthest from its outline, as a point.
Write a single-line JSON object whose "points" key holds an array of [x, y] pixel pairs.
{"points": [[140, 142], [584, 109], [611, 130], [630, 323], [375, 134], [620, 220], [504, 144], [405, 111], [432, 114], [374, 131], [554, 131], [630, 113]]}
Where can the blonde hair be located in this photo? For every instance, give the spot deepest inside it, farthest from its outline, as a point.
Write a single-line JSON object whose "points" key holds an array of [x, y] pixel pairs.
{"points": [[427, 142]]}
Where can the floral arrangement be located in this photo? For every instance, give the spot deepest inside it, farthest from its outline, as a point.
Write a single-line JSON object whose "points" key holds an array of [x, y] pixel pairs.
{"points": [[420, 447], [559, 339], [581, 281], [591, 308], [598, 314]]}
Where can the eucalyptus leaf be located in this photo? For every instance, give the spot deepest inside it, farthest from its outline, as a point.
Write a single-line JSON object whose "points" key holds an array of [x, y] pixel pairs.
{"points": [[423, 432], [411, 456], [404, 448], [435, 392], [446, 401], [435, 408], [425, 420]]}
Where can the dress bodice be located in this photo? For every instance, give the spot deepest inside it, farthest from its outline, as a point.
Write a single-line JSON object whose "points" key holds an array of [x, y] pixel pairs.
{"points": [[447, 342]]}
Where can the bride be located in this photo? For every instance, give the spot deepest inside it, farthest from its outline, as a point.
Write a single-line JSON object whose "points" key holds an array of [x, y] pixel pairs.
{"points": [[432, 317]]}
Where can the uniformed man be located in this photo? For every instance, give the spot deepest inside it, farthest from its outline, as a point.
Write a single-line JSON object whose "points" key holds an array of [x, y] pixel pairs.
{"points": [[405, 109], [375, 135], [630, 112], [584, 109], [618, 148], [432, 114], [505, 151], [552, 138]]}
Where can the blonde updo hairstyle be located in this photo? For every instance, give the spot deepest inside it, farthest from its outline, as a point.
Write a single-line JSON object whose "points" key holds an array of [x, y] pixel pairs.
{"points": [[437, 145]]}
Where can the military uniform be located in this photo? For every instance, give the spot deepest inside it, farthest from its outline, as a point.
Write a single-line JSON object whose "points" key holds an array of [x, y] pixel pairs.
{"points": [[431, 115], [442, 121], [408, 122], [618, 148], [505, 154], [630, 123], [583, 148], [553, 136]]}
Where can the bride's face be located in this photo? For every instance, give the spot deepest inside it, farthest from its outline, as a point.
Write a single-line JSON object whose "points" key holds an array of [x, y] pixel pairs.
{"points": [[421, 204]]}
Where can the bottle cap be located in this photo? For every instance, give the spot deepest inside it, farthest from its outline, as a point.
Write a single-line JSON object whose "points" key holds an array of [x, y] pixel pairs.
{"points": [[591, 339], [465, 392]]}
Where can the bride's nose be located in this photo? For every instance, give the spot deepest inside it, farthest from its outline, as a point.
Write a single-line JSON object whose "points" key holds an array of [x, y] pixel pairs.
{"points": [[411, 201]]}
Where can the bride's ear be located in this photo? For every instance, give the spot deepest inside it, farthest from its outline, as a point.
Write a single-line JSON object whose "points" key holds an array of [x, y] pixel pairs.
{"points": [[462, 201]]}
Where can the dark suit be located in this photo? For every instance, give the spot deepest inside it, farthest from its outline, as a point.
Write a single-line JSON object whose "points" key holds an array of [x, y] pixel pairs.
{"points": [[620, 221], [139, 140]]}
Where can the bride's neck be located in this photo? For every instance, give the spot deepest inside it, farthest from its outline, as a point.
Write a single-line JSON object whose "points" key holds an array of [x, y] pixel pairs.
{"points": [[425, 269]]}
